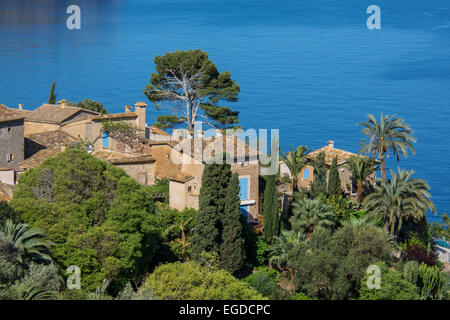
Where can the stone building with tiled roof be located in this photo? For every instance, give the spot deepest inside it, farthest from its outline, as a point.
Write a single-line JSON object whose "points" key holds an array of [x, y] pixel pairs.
{"points": [[154, 154], [183, 161], [6, 191], [306, 175]]}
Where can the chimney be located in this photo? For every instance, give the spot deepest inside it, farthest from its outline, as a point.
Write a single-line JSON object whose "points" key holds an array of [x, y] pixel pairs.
{"points": [[62, 103], [141, 107], [330, 144], [127, 109], [20, 106]]}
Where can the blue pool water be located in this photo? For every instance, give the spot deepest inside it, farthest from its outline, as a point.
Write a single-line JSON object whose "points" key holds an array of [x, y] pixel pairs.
{"points": [[310, 68], [442, 243]]}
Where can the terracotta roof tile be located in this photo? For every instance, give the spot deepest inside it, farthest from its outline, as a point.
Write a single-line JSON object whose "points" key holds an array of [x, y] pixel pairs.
{"points": [[157, 130], [180, 177], [206, 147], [41, 146], [51, 113], [330, 153], [122, 157], [6, 191], [6, 112], [115, 116]]}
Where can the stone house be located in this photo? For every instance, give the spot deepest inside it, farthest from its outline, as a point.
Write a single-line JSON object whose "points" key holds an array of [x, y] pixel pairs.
{"points": [[152, 154], [49, 129], [182, 162], [11, 144], [306, 175]]}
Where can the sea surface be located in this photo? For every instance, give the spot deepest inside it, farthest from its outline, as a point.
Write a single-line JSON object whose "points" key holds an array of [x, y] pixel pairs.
{"points": [[310, 68]]}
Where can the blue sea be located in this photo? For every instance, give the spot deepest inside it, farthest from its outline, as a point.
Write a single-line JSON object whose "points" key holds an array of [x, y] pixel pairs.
{"points": [[310, 68]]}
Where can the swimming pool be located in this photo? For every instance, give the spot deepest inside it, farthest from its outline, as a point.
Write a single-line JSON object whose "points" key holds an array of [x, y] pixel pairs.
{"points": [[442, 243]]}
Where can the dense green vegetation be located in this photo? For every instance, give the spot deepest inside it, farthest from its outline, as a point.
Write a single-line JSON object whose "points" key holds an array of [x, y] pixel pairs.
{"points": [[192, 281], [95, 215], [218, 227], [320, 244], [91, 105]]}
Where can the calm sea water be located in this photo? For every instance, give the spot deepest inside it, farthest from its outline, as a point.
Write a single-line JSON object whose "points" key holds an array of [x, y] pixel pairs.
{"points": [[310, 68]]}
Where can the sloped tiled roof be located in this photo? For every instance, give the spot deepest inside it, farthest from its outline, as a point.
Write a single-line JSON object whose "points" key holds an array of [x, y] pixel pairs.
{"points": [[115, 116], [122, 157], [44, 145], [9, 114], [6, 191], [51, 113], [206, 147], [180, 177], [331, 152], [157, 130]]}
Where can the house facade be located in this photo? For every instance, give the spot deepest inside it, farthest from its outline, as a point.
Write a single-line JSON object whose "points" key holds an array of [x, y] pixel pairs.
{"points": [[183, 162], [147, 155], [306, 176]]}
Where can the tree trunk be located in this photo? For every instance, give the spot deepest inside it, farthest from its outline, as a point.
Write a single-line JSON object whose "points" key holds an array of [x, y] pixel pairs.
{"points": [[383, 167], [359, 190], [294, 184], [386, 224]]}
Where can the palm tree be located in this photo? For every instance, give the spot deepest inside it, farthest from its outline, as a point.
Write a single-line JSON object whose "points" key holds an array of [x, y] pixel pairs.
{"points": [[390, 134], [361, 168], [183, 239], [28, 244], [309, 214], [295, 160], [401, 198], [279, 252]]}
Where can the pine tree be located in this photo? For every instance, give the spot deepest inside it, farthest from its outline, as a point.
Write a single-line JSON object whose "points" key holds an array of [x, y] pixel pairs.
{"points": [[52, 96], [270, 210], [232, 254], [334, 181], [319, 184]]}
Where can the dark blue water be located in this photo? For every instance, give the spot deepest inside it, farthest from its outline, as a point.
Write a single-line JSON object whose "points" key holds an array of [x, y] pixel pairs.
{"points": [[310, 68]]}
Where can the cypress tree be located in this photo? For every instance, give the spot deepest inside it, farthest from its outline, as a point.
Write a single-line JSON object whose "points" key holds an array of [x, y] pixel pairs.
{"points": [[319, 184], [270, 210], [208, 223], [334, 181], [232, 254], [206, 234], [52, 96]]}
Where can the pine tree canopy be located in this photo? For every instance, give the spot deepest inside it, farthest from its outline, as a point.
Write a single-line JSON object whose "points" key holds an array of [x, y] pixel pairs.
{"points": [[189, 83]]}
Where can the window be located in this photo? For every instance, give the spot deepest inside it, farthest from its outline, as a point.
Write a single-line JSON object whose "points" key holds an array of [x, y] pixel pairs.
{"points": [[305, 173], [9, 130], [10, 157], [189, 189], [243, 185], [167, 156], [244, 211], [105, 139]]}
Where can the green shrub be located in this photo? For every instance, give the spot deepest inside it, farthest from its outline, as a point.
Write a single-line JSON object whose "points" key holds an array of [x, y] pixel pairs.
{"points": [[393, 286], [98, 218], [191, 281], [264, 282]]}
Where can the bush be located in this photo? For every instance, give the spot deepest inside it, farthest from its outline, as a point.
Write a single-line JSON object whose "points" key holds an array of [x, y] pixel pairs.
{"points": [[191, 281], [392, 287], [6, 212], [264, 282], [301, 296], [98, 218], [334, 264], [419, 253]]}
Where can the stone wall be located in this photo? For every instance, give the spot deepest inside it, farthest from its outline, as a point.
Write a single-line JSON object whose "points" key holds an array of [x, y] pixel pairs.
{"points": [[141, 172], [11, 142]]}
